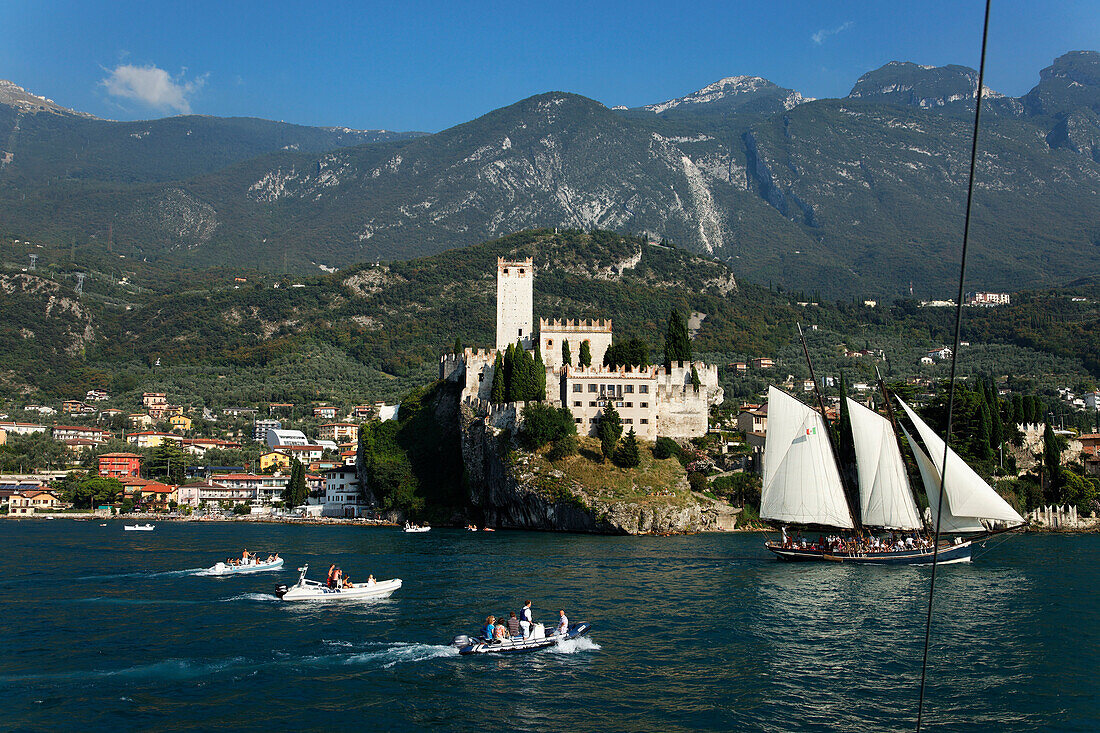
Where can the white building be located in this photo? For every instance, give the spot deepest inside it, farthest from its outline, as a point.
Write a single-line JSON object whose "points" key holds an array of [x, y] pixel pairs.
{"points": [[552, 334], [987, 298], [341, 497], [286, 437], [515, 302]]}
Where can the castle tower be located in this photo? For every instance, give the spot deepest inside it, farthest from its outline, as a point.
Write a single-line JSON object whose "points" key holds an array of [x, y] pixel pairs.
{"points": [[515, 302]]}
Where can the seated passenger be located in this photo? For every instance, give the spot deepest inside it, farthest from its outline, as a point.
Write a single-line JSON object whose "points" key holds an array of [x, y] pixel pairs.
{"points": [[500, 633], [490, 625], [348, 583], [371, 580], [513, 624]]}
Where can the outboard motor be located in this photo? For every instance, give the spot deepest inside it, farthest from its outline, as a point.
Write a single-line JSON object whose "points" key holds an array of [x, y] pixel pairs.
{"points": [[460, 641], [281, 589]]}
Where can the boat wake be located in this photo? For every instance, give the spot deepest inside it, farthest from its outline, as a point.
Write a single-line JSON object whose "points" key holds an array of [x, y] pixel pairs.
{"points": [[402, 653], [572, 646], [255, 597], [146, 574]]}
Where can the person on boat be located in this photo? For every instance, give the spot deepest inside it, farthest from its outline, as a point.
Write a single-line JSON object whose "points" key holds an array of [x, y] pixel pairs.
{"points": [[500, 633], [371, 580], [563, 623], [490, 626], [338, 578], [348, 583], [525, 622], [331, 574], [513, 624]]}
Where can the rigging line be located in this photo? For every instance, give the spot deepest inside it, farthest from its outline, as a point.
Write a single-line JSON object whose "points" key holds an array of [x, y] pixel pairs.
{"points": [[954, 362]]}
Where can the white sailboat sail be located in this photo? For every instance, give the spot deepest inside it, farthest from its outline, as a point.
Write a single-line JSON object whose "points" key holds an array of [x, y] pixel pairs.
{"points": [[968, 495], [801, 480], [884, 495], [931, 478]]}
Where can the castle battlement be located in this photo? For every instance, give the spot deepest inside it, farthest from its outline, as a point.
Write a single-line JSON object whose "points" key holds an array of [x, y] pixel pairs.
{"points": [[574, 325]]}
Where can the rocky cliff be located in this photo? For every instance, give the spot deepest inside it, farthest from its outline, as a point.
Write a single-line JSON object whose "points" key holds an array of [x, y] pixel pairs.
{"points": [[518, 490]]}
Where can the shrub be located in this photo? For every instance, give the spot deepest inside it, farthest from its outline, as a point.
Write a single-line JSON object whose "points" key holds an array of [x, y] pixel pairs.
{"points": [[665, 448], [697, 481], [543, 424], [240, 509], [564, 446]]}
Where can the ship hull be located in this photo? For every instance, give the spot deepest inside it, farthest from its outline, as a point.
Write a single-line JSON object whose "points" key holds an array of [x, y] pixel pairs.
{"points": [[952, 553]]}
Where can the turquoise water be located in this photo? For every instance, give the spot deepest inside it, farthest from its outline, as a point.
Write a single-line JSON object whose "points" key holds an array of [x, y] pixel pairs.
{"points": [[106, 629]]}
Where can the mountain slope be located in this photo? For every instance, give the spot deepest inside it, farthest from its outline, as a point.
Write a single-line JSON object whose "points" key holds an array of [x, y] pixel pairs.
{"points": [[860, 195]]}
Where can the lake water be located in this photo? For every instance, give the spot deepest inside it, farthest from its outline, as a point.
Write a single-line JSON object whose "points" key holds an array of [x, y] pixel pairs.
{"points": [[106, 629]]}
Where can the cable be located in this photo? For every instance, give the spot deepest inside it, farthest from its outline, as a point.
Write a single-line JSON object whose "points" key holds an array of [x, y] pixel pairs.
{"points": [[954, 362]]}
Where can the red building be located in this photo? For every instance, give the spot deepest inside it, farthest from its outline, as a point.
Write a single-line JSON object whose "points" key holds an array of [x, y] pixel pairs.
{"points": [[119, 465]]}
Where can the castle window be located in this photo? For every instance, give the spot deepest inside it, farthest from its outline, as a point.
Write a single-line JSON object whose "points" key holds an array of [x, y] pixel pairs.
{"points": [[576, 403], [549, 343], [644, 405], [576, 420], [628, 421], [578, 387], [629, 389], [592, 388], [643, 421], [505, 270], [618, 404], [521, 271], [592, 404], [630, 404], [643, 388]]}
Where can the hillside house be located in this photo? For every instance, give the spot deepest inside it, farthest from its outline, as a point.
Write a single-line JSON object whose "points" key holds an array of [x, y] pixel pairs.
{"points": [[763, 363], [22, 428], [753, 420], [338, 432], [260, 428], [182, 423], [118, 465], [199, 446], [62, 433], [141, 421], [325, 412], [274, 459], [152, 438]]}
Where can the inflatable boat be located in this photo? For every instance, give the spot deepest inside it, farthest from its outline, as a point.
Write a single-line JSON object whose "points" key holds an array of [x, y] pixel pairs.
{"points": [[537, 640], [249, 566], [139, 527], [311, 590], [417, 528]]}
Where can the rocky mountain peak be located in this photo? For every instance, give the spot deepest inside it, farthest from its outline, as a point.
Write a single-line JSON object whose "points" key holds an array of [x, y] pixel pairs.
{"points": [[903, 82], [1072, 82], [732, 89], [16, 96]]}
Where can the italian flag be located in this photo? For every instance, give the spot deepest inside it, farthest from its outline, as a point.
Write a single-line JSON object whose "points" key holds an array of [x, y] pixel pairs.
{"points": [[811, 431]]}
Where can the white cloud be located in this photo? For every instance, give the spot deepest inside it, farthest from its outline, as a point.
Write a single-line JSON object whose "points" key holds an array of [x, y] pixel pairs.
{"points": [[152, 86], [824, 33]]}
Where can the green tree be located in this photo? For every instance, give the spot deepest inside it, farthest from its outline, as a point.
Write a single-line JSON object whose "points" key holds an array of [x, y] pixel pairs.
{"points": [[168, 462], [677, 341], [295, 492], [566, 356], [585, 358], [510, 373], [539, 374], [610, 430], [458, 346], [497, 393], [628, 455], [695, 377], [665, 448], [1052, 464], [982, 436], [1078, 491]]}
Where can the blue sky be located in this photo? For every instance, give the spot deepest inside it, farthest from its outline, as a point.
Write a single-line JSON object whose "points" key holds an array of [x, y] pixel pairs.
{"points": [[427, 65]]}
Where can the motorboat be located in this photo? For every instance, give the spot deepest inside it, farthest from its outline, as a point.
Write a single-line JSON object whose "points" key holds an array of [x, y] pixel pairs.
{"points": [[248, 566], [311, 590], [487, 529], [417, 528], [538, 639], [139, 527]]}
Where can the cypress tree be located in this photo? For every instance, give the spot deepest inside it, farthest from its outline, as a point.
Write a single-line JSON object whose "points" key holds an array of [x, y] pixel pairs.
{"points": [[1018, 412], [566, 357], [628, 455], [1052, 464], [295, 492], [677, 341], [997, 430], [695, 378], [525, 378], [510, 373], [458, 345], [586, 354], [610, 430], [981, 439], [497, 393], [1010, 413]]}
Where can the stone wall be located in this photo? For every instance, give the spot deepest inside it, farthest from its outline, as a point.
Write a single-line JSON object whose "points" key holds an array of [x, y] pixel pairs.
{"points": [[552, 332]]}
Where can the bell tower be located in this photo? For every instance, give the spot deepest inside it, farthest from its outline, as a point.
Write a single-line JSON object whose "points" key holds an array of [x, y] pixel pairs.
{"points": [[515, 302]]}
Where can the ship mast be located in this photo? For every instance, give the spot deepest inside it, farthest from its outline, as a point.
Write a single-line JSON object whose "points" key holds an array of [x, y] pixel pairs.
{"points": [[849, 494]]}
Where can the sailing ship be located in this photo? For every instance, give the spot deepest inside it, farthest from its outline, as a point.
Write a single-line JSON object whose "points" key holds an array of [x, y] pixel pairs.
{"points": [[803, 486]]}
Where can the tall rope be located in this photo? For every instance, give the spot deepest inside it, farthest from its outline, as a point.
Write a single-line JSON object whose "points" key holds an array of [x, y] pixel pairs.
{"points": [[954, 362]]}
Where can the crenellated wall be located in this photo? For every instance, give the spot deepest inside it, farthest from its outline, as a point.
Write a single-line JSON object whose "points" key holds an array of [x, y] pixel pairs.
{"points": [[552, 332]]}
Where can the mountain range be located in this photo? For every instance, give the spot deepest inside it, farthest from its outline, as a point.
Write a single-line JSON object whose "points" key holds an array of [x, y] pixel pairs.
{"points": [[859, 195]]}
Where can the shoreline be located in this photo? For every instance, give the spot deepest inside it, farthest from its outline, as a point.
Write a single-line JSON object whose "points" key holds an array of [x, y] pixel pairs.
{"points": [[1092, 526]]}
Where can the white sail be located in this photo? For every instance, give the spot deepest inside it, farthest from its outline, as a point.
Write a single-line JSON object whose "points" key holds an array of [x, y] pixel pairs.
{"points": [[801, 480], [931, 478], [885, 498], [968, 495]]}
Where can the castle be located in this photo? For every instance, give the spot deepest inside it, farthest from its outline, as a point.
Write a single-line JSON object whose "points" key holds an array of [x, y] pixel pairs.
{"points": [[654, 401]]}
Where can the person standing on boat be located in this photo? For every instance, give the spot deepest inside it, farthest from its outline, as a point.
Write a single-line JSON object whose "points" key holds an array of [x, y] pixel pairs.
{"points": [[563, 623], [525, 621], [331, 574]]}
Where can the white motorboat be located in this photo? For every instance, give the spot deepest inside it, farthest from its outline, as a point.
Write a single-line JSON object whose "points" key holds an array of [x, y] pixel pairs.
{"points": [[248, 566], [538, 639], [139, 527], [417, 528], [311, 590]]}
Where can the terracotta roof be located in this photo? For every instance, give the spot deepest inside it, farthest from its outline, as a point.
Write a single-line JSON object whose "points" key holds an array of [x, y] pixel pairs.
{"points": [[120, 455]]}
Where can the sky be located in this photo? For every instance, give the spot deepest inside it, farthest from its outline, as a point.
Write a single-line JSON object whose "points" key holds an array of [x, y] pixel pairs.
{"points": [[429, 64]]}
